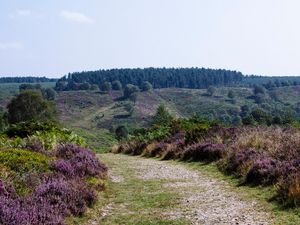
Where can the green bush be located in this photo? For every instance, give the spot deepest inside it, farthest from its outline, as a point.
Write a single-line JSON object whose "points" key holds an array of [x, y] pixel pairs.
{"points": [[25, 129], [23, 161], [47, 134], [162, 116], [148, 135]]}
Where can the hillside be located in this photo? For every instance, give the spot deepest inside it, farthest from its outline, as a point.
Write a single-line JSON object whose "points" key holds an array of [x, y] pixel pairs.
{"points": [[96, 115]]}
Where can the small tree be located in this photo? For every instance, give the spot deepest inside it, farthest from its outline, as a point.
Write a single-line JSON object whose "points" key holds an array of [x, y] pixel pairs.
{"points": [[49, 94], [260, 116], [245, 110], [121, 132], [260, 98], [94, 87], [211, 90], [116, 85], [130, 90], [60, 85], [106, 86], [249, 120], [259, 90], [30, 106], [146, 86], [162, 116], [84, 86]]}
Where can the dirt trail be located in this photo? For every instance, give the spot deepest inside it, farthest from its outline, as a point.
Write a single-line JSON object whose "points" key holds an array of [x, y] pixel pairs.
{"points": [[199, 199]]}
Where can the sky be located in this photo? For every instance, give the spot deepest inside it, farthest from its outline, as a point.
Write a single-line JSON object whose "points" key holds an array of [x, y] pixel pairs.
{"points": [[54, 37]]}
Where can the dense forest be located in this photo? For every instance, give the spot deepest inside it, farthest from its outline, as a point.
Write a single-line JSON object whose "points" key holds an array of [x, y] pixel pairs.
{"points": [[157, 77], [193, 78], [278, 80], [26, 79]]}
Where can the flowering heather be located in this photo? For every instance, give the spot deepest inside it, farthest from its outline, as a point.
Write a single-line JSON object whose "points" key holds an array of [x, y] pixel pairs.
{"points": [[78, 160], [43, 187], [28, 212], [67, 197], [203, 152], [258, 155], [63, 166], [263, 171]]}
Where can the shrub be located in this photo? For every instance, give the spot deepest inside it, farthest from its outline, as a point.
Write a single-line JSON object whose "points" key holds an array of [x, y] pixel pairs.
{"points": [[83, 161], [129, 90], [146, 86], [64, 167], [17, 211], [211, 90], [66, 197], [263, 171], [122, 132], [288, 189], [116, 85], [203, 152], [23, 161], [162, 116], [25, 129]]}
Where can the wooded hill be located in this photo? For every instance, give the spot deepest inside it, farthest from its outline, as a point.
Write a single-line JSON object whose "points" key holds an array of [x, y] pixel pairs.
{"points": [[194, 78]]}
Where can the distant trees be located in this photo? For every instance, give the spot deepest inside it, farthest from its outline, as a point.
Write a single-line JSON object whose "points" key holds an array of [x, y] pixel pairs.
{"points": [[26, 79], [274, 95], [157, 77], [30, 105], [24, 87], [48, 93]]}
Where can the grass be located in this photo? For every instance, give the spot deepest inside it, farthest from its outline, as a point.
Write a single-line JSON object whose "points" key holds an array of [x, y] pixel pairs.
{"points": [[100, 140], [264, 195], [133, 201]]}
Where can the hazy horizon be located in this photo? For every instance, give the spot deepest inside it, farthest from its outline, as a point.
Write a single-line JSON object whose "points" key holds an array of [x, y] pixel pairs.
{"points": [[53, 38]]}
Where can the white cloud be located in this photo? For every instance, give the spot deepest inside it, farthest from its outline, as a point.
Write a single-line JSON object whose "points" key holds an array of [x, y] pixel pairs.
{"points": [[11, 45], [76, 17], [23, 12], [20, 13]]}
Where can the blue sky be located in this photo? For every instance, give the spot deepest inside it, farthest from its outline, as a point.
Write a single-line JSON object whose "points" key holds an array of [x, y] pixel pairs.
{"points": [[54, 37]]}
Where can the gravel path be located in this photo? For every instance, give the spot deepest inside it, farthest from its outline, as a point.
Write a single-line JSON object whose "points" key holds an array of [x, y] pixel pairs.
{"points": [[203, 199]]}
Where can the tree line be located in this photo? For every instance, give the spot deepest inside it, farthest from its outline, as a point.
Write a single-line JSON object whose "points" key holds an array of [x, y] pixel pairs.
{"points": [[157, 77], [26, 79]]}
